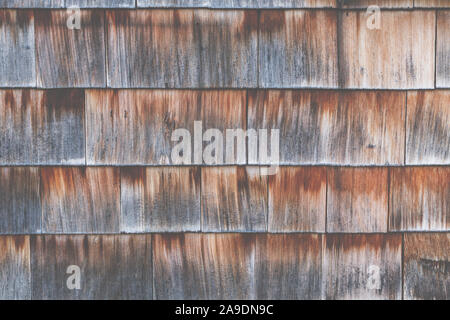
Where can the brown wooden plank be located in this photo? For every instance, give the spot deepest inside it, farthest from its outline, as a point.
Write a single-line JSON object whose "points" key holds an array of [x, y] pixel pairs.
{"points": [[297, 199], [234, 199], [160, 199], [80, 200], [101, 3], [432, 3], [31, 4], [17, 50], [419, 199], [203, 266], [70, 57], [357, 200], [330, 127], [363, 267], [379, 3], [42, 127], [20, 204], [428, 127], [399, 55], [182, 48], [292, 50], [111, 266], [288, 267], [427, 266], [443, 49], [15, 276]]}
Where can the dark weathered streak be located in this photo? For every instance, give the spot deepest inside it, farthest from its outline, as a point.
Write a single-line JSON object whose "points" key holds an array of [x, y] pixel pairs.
{"points": [[428, 127], [112, 267], [363, 266], [160, 199], [330, 127], [297, 197], [20, 204], [15, 276], [70, 57], [419, 199], [42, 127], [399, 55], [357, 200], [182, 48], [288, 267], [101, 3], [31, 4], [427, 266], [293, 52], [17, 54], [443, 50], [234, 199], [80, 200], [203, 266]]}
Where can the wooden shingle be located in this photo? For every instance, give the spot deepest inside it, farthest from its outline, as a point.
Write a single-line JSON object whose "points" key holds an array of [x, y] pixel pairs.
{"points": [[330, 127], [363, 267], [17, 50], [428, 127], [203, 266], [20, 204], [80, 200], [426, 266], [42, 127], [182, 48], [357, 200], [399, 55], [419, 199], [298, 48], [237, 4], [15, 275], [160, 199], [288, 267], [101, 3], [297, 199], [20, 4], [111, 267], [234, 199], [70, 57], [379, 3], [173, 3], [443, 49]]}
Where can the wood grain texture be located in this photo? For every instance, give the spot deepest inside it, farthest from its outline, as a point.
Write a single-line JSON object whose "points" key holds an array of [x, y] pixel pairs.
{"points": [[101, 3], [182, 48], [80, 200], [379, 3], [399, 55], [234, 199], [443, 49], [363, 267], [292, 51], [113, 267], [160, 199], [357, 200], [15, 275], [70, 57], [432, 3], [428, 127], [331, 127], [203, 266], [31, 4], [42, 127], [238, 4], [427, 266], [17, 49], [297, 199], [419, 199], [288, 267], [20, 204]]}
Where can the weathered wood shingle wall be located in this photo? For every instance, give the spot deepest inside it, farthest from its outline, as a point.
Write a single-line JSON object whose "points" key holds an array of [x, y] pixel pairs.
{"points": [[91, 177]]}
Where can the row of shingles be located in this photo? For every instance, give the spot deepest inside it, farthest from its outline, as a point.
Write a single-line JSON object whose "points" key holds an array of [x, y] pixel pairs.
{"points": [[55, 4], [232, 199], [217, 49], [135, 127], [226, 266]]}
